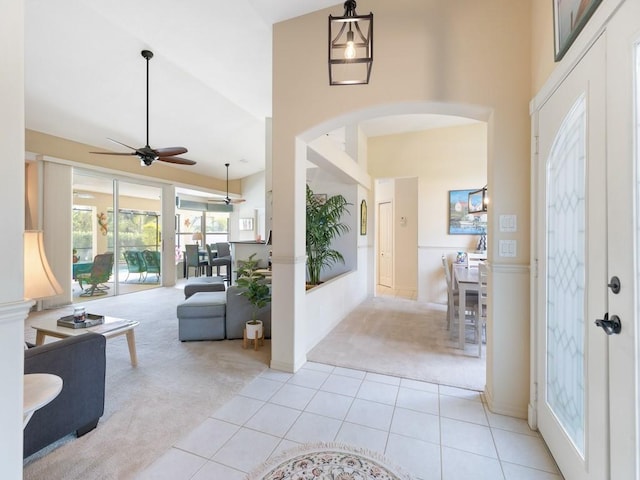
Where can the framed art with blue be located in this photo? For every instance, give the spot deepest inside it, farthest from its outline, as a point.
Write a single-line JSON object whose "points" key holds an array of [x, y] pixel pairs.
{"points": [[461, 222]]}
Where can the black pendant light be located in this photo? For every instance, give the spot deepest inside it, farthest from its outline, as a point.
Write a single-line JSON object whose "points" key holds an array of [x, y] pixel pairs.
{"points": [[350, 47]]}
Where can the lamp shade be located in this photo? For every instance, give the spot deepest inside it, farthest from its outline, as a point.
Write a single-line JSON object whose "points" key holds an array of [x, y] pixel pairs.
{"points": [[39, 281], [197, 236]]}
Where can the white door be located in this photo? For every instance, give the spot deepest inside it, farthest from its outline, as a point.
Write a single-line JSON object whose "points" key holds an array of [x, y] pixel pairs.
{"points": [[623, 165], [572, 266], [385, 244]]}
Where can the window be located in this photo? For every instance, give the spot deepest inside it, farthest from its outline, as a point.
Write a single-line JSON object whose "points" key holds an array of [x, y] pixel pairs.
{"points": [[82, 218]]}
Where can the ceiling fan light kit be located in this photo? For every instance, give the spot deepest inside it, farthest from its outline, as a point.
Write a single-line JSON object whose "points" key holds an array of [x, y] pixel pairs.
{"points": [[146, 154], [227, 200]]}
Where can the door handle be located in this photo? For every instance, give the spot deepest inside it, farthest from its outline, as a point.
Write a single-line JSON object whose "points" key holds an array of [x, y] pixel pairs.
{"points": [[610, 325]]}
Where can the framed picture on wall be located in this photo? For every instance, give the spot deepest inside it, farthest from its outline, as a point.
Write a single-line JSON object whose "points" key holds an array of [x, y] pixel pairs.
{"points": [[363, 217], [246, 224], [461, 222], [569, 18]]}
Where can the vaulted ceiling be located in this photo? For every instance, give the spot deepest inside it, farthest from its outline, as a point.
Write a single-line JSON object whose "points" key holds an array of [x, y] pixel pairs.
{"points": [[210, 77]]}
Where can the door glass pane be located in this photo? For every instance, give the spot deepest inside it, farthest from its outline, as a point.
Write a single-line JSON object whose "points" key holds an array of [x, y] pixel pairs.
{"points": [[139, 236], [92, 235], [566, 275]]}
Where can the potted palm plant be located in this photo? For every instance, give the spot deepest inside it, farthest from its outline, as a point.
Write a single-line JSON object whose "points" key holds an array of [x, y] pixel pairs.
{"points": [[257, 292], [323, 226]]}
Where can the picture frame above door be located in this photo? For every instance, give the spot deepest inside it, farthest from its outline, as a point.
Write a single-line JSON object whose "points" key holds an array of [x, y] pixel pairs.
{"points": [[569, 18]]}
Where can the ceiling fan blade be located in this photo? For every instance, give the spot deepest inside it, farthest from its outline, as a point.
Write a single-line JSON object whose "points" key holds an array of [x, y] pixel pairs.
{"points": [[114, 153], [178, 160], [170, 151], [237, 200], [120, 143]]}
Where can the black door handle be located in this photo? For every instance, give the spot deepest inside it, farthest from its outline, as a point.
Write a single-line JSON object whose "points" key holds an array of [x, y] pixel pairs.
{"points": [[614, 284], [610, 325]]}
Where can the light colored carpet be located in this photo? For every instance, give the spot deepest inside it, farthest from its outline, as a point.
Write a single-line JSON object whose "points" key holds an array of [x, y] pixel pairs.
{"points": [[404, 338], [175, 387]]}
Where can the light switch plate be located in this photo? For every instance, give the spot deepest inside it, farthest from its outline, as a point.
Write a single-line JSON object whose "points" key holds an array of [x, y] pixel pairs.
{"points": [[508, 223], [508, 248]]}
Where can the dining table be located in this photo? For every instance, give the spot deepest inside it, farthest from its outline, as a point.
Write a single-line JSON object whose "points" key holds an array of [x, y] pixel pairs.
{"points": [[467, 280]]}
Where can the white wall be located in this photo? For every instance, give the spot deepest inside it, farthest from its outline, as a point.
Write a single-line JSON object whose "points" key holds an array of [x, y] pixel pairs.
{"points": [[405, 241], [253, 192], [443, 159], [13, 309]]}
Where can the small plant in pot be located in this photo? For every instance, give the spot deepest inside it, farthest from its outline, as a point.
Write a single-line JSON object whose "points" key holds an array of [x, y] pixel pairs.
{"points": [[257, 292], [323, 226]]}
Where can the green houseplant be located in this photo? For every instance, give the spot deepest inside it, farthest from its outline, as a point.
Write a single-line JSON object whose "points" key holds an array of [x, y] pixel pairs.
{"points": [[323, 226], [254, 288]]}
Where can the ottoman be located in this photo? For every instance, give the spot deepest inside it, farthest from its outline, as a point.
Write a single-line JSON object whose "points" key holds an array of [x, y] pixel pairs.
{"points": [[202, 316], [203, 284]]}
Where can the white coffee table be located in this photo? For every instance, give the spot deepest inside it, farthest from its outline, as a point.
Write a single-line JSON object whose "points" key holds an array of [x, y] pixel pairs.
{"points": [[112, 327]]}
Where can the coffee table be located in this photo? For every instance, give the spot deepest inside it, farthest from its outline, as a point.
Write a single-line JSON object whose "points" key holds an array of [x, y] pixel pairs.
{"points": [[112, 327]]}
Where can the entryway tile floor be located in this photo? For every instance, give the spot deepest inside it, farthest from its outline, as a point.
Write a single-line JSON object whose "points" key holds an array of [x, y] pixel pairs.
{"points": [[433, 431]]}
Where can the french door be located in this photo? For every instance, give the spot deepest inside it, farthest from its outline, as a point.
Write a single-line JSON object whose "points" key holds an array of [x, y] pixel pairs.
{"points": [[587, 220]]}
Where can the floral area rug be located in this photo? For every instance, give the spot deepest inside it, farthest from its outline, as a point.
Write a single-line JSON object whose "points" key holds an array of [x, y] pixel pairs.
{"points": [[328, 461]]}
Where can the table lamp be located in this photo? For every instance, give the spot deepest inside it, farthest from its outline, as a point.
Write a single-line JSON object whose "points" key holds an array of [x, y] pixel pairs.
{"points": [[197, 237], [39, 281]]}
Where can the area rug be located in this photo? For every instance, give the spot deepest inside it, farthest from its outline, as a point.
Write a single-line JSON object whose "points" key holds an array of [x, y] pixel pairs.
{"points": [[328, 461]]}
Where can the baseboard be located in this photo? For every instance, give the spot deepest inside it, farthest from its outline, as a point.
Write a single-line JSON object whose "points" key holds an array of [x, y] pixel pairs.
{"points": [[287, 366], [508, 410]]}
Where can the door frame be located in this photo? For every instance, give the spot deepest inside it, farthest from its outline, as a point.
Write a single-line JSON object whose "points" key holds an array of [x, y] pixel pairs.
{"points": [[377, 252], [624, 458]]}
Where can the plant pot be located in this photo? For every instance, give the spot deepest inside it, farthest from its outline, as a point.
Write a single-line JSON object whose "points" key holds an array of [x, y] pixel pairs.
{"points": [[252, 328]]}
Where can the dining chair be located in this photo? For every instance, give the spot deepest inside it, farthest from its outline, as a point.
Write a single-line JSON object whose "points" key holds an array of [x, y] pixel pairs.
{"points": [[193, 259], [453, 304], [481, 309], [451, 292], [473, 258], [222, 259]]}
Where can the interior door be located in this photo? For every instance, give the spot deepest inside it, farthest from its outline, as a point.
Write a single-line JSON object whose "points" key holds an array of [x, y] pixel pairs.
{"points": [[385, 244], [572, 267]]}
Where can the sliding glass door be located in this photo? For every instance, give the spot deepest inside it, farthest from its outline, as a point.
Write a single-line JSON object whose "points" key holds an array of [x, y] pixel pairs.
{"points": [[130, 240]]}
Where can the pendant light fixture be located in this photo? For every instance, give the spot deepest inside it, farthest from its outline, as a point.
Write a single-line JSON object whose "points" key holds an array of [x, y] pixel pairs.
{"points": [[350, 47]]}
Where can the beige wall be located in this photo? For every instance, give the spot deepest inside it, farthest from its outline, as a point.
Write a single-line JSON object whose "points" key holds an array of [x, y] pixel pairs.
{"points": [[466, 58], [442, 159], [60, 148], [542, 63]]}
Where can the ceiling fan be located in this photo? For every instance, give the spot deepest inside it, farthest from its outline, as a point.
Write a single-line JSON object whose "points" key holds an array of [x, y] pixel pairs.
{"points": [[146, 154], [226, 200]]}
